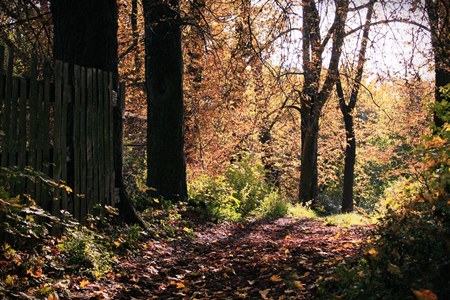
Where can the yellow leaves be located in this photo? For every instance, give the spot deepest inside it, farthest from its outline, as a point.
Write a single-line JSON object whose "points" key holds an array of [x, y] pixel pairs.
{"points": [[178, 285], [298, 284], [187, 230], [425, 295], [275, 278], [84, 283], [436, 142], [53, 296], [373, 252], [116, 243], [10, 279]]}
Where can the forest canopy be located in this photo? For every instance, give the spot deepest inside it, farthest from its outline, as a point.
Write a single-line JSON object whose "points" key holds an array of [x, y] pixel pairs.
{"points": [[137, 126]]}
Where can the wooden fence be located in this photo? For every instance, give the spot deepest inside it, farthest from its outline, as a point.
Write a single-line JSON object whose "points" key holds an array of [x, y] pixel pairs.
{"points": [[59, 124]]}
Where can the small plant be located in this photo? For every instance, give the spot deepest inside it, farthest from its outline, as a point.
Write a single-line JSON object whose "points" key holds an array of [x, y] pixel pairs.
{"points": [[85, 254], [272, 206], [301, 211], [346, 220]]}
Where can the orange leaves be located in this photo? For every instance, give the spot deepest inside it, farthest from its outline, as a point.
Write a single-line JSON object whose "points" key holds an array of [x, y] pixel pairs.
{"points": [[35, 272], [425, 295], [372, 252], [84, 283], [275, 278]]}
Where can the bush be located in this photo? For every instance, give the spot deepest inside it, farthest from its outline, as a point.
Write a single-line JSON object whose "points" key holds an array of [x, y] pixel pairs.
{"points": [[409, 256], [272, 206], [240, 192], [246, 178], [213, 199], [83, 253], [301, 211]]}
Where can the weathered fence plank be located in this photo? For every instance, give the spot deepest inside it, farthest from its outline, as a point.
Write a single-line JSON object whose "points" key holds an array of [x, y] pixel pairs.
{"points": [[33, 116], [22, 130], [83, 144], [7, 108], [63, 129]]}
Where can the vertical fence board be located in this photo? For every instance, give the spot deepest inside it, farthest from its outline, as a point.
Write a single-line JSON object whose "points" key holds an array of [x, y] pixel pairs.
{"points": [[22, 140], [66, 96], [110, 138], [89, 142], [39, 145], [44, 136], [101, 145], [76, 142], [94, 121], [106, 120], [57, 142], [12, 141], [33, 116], [83, 144], [7, 107]]}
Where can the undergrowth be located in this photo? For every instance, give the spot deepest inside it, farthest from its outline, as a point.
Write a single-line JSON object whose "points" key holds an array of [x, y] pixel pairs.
{"points": [[409, 256]]}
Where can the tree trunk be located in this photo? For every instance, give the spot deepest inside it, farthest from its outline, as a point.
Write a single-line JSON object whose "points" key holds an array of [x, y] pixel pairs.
{"points": [[166, 165], [308, 169], [438, 17], [350, 158], [85, 33], [348, 111]]}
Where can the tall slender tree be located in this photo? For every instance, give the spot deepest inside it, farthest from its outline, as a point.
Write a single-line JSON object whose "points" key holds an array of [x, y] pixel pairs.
{"points": [[347, 109], [316, 92], [166, 166]]}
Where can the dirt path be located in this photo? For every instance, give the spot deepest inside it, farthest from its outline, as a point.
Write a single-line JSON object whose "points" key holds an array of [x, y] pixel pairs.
{"points": [[279, 259]]}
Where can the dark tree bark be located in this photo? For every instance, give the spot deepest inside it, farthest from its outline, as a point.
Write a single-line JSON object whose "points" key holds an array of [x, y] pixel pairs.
{"points": [[314, 94], [347, 110], [85, 33], [438, 12], [166, 167]]}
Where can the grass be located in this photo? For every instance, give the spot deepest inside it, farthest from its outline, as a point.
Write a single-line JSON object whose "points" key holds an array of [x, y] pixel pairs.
{"points": [[342, 220], [299, 211], [347, 220]]}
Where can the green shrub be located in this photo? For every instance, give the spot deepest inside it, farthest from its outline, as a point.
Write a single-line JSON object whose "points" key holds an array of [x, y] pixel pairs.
{"points": [[410, 249], [272, 206], [83, 253], [241, 191], [213, 199], [246, 178], [346, 220], [301, 211]]}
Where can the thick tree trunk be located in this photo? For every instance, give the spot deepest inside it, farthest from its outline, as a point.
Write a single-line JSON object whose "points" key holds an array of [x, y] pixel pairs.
{"points": [[350, 158], [308, 170], [85, 33], [166, 165]]}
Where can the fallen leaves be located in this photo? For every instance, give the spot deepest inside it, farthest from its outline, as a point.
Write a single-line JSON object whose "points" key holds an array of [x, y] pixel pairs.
{"points": [[425, 295], [279, 259]]}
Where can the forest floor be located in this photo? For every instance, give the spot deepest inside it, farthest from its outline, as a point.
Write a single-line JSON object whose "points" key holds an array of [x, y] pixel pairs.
{"points": [[262, 259]]}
